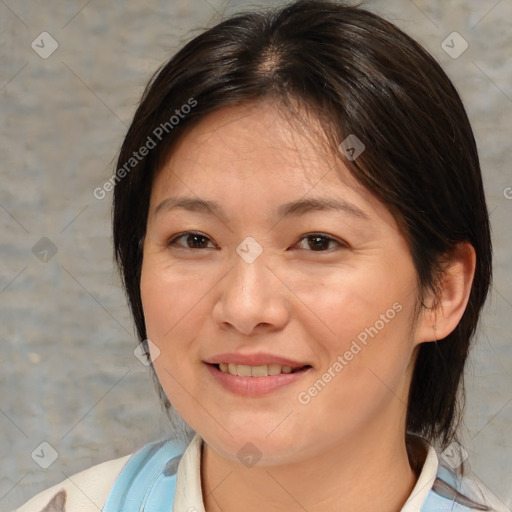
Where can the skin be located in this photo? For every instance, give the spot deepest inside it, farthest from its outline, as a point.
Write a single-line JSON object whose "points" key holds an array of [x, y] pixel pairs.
{"points": [[345, 449]]}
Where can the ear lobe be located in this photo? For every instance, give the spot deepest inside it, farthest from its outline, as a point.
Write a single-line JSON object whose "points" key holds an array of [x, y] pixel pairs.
{"points": [[443, 310]]}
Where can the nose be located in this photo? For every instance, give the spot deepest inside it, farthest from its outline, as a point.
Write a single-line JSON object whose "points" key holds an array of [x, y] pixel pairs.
{"points": [[252, 298]]}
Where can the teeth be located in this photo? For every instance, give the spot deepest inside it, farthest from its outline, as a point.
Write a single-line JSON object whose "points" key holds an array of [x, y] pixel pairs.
{"points": [[259, 371], [244, 370]]}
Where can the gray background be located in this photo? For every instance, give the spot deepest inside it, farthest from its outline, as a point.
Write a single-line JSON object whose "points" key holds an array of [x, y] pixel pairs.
{"points": [[68, 375]]}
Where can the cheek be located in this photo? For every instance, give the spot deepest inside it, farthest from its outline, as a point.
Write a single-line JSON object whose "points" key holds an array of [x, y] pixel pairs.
{"points": [[174, 303], [163, 303], [340, 303], [364, 319], [170, 299]]}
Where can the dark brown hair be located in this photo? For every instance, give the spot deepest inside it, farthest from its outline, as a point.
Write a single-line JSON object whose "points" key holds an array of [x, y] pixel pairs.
{"points": [[357, 74]]}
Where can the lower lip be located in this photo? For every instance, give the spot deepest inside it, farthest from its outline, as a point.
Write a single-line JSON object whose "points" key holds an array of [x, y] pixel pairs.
{"points": [[255, 386]]}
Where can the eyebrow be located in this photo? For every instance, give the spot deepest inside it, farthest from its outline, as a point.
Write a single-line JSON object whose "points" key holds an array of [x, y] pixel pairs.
{"points": [[299, 207]]}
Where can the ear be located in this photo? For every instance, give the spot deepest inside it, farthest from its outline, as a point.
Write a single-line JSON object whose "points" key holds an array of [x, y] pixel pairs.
{"points": [[443, 310]]}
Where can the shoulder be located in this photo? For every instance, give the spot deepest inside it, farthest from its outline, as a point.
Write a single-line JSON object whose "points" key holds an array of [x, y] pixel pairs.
{"points": [[445, 483], [466, 491], [83, 492]]}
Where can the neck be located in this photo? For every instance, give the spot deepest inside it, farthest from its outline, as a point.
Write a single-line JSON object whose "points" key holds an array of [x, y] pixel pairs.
{"points": [[366, 474]]}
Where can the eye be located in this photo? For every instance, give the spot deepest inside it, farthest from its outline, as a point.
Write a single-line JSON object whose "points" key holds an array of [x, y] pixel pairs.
{"points": [[193, 240], [319, 242], [316, 242]]}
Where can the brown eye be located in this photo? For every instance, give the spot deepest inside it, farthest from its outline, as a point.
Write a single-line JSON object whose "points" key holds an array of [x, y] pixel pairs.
{"points": [[320, 243], [192, 240]]}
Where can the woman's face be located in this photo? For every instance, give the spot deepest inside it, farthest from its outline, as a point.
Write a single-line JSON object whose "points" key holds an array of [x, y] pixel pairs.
{"points": [[263, 277]]}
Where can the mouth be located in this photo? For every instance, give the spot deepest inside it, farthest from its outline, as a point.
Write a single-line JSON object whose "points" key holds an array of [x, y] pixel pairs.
{"points": [[253, 381], [265, 370]]}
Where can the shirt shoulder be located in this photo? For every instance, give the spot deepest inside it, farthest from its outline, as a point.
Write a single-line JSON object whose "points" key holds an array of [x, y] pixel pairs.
{"points": [[86, 491]]}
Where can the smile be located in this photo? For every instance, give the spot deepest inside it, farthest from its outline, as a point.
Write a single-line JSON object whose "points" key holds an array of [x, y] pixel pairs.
{"points": [[246, 380], [264, 370]]}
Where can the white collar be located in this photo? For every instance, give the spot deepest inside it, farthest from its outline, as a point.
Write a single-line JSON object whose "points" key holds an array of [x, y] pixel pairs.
{"points": [[424, 483], [189, 495]]}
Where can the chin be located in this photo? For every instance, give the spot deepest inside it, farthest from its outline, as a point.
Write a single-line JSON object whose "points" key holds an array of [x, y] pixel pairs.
{"points": [[256, 446]]}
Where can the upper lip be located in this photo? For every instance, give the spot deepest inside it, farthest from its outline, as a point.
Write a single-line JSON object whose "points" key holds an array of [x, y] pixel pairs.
{"points": [[254, 360]]}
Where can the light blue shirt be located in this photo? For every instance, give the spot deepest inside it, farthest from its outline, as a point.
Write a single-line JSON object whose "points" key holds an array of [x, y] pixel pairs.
{"points": [[169, 472]]}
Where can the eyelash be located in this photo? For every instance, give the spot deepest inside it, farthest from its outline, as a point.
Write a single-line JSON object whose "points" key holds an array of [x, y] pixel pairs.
{"points": [[172, 242]]}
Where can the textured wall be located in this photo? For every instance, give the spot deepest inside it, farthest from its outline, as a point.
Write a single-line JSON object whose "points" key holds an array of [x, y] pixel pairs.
{"points": [[68, 375]]}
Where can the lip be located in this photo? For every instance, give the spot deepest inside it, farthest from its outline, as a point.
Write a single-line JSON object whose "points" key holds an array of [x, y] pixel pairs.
{"points": [[254, 360], [254, 386]]}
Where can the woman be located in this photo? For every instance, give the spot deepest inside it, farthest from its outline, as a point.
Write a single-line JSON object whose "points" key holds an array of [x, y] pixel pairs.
{"points": [[300, 225]]}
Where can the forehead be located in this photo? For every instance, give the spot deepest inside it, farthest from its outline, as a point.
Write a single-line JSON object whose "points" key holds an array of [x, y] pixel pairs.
{"points": [[256, 152], [254, 136]]}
